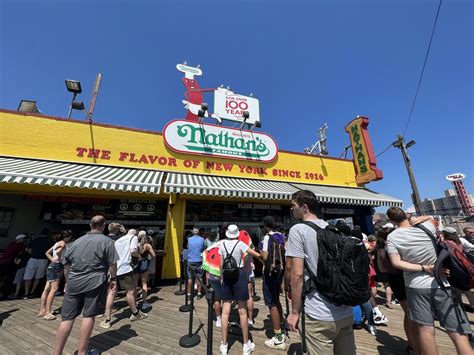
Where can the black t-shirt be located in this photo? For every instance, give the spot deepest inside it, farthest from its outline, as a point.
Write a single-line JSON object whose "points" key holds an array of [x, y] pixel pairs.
{"points": [[40, 246], [113, 237], [24, 257]]}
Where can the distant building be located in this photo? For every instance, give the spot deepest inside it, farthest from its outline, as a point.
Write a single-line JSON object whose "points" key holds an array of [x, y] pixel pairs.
{"points": [[448, 206]]}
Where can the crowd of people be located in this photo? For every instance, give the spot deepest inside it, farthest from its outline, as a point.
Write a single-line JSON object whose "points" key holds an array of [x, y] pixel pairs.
{"points": [[401, 254]]}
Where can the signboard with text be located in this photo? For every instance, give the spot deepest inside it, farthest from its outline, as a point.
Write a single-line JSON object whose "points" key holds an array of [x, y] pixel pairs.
{"points": [[204, 139], [362, 151], [230, 106]]}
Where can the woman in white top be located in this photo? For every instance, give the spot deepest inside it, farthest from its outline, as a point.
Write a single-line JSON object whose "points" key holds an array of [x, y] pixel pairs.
{"points": [[235, 288], [53, 275]]}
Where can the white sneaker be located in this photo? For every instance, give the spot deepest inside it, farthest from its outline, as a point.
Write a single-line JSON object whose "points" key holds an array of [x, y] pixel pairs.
{"points": [[248, 348], [274, 343], [223, 349], [218, 322], [373, 330], [146, 306], [250, 322], [380, 319]]}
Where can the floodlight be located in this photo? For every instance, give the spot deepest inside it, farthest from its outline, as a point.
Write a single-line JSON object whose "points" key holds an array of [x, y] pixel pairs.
{"points": [[73, 86], [28, 106], [77, 105], [411, 143]]}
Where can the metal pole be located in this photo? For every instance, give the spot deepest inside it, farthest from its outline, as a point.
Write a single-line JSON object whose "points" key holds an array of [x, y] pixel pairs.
{"points": [[190, 340], [70, 106], [186, 307], [416, 195], [95, 92], [210, 319], [191, 315]]}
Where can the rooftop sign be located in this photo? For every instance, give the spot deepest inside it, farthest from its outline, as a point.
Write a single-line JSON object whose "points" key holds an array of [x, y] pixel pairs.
{"points": [[204, 139], [455, 177]]}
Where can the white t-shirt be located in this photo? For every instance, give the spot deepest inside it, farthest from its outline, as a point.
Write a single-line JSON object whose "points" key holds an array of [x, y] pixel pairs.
{"points": [[415, 246], [239, 250], [124, 246], [466, 245], [303, 243]]}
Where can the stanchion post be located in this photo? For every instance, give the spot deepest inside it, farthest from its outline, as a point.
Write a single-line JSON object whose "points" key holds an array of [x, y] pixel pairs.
{"points": [[181, 292], [186, 307], [210, 296], [189, 340], [255, 297]]}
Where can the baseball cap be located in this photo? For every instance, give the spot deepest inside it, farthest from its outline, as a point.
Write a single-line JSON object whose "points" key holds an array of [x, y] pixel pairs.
{"points": [[388, 225], [449, 230], [20, 236]]}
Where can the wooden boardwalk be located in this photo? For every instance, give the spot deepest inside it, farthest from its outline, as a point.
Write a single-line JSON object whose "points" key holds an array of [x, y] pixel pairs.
{"points": [[21, 332]]}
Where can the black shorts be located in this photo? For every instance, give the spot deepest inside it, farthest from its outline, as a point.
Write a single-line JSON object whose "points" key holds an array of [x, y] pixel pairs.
{"points": [[397, 283], [236, 290], [91, 303], [383, 277], [271, 289]]}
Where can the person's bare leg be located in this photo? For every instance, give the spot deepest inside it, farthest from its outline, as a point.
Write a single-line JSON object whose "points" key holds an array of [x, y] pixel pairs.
{"points": [[87, 325], [35, 285], [426, 339], [242, 305], [388, 294], [250, 304], [44, 297], [217, 307], [54, 285], [144, 279], [226, 306], [109, 303], [461, 342], [62, 334], [28, 287], [131, 300]]}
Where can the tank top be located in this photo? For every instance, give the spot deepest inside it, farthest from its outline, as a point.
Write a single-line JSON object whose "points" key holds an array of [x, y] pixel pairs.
{"points": [[55, 253]]}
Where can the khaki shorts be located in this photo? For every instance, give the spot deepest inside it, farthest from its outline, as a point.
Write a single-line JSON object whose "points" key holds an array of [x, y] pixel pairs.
{"points": [[126, 281], [328, 338]]}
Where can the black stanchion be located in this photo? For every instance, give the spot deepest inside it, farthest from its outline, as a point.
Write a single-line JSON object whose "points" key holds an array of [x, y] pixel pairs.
{"points": [[181, 292], [189, 340], [210, 295], [304, 349], [186, 307], [255, 297]]}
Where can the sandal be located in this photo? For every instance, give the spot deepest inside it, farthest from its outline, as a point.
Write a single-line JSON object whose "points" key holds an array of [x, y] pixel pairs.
{"points": [[49, 317]]}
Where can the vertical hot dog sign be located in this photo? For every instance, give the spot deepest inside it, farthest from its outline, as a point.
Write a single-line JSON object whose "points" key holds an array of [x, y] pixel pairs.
{"points": [[362, 151]]}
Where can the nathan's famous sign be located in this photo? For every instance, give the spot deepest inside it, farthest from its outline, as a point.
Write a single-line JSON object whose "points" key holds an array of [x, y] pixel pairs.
{"points": [[364, 157], [192, 136], [197, 138]]}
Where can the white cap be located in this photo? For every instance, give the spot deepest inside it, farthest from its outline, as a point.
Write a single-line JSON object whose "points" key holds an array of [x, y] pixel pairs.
{"points": [[20, 236], [195, 231], [232, 231], [388, 225], [449, 230]]}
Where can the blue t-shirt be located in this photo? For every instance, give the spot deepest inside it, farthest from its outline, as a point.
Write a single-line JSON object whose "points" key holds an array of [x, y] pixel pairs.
{"points": [[195, 248]]}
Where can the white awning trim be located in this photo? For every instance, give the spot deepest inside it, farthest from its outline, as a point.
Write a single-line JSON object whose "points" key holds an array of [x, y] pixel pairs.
{"points": [[30, 171]]}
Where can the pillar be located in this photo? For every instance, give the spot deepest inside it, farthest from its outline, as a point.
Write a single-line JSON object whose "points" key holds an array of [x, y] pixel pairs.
{"points": [[174, 236]]}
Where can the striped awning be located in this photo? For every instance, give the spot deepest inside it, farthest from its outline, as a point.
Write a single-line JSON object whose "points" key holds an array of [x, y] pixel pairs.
{"points": [[225, 186], [29, 171], [350, 195]]}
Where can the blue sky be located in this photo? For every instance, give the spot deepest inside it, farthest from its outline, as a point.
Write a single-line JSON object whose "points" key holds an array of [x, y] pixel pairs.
{"points": [[308, 62]]}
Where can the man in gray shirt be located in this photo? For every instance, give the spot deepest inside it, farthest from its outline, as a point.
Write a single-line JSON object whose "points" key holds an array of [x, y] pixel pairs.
{"points": [[328, 327], [89, 259], [412, 250]]}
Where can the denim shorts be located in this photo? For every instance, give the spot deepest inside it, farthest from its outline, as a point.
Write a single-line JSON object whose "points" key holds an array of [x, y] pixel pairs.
{"points": [[53, 272], [195, 269]]}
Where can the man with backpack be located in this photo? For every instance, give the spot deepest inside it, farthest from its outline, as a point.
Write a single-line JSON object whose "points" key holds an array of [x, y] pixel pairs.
{"points": [[413, 249], [327, 325], [273, 256]]}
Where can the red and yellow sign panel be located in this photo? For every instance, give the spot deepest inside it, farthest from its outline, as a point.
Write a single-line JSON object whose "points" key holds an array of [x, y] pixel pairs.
{"points": [[364, 157]]}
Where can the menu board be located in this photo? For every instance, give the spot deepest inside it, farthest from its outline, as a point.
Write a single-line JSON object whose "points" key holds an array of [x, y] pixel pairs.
{"points": [[124, 209]]}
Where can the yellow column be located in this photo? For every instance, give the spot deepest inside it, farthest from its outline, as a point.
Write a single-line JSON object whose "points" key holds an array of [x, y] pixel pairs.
{"points": [[174, 237]]}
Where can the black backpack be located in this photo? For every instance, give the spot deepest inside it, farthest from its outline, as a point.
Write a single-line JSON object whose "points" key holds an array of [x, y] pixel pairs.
{"points": [[275, 263], [230, 269], [461, 268], [343, 268]]}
